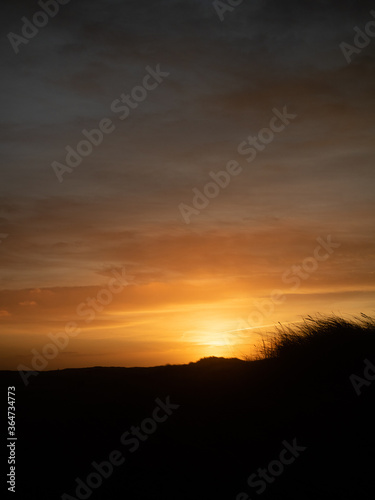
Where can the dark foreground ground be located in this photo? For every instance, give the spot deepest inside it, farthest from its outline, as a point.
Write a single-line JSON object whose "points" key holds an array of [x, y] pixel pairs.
{"points": [[234, 419]]}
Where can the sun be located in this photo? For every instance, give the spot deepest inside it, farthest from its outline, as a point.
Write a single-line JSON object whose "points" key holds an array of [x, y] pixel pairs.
{"points": [[219, 338]]}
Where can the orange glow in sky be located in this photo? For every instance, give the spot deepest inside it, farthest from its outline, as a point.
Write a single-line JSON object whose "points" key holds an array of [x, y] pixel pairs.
{"points": [[259, 127]]}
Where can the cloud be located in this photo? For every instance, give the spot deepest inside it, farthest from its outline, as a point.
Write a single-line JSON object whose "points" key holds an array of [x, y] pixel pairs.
{"points": [[119, 207]]}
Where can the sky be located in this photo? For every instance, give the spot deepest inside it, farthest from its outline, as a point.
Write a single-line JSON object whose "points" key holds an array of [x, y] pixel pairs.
{"points": [[230, 186]]}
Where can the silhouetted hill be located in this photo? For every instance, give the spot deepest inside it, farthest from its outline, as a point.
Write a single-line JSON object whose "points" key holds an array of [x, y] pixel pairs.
{"points": [[233, 417]]}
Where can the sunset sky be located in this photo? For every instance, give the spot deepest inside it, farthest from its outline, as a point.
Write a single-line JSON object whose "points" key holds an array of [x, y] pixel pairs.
{"points": [[119, 210]]}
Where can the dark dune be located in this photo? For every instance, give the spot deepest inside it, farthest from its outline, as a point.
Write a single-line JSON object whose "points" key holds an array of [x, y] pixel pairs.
{"points": [[233, 418]]}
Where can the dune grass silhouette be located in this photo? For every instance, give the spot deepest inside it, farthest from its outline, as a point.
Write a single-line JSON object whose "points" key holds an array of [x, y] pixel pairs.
{"points": [[320, 336], [233, 418]]}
